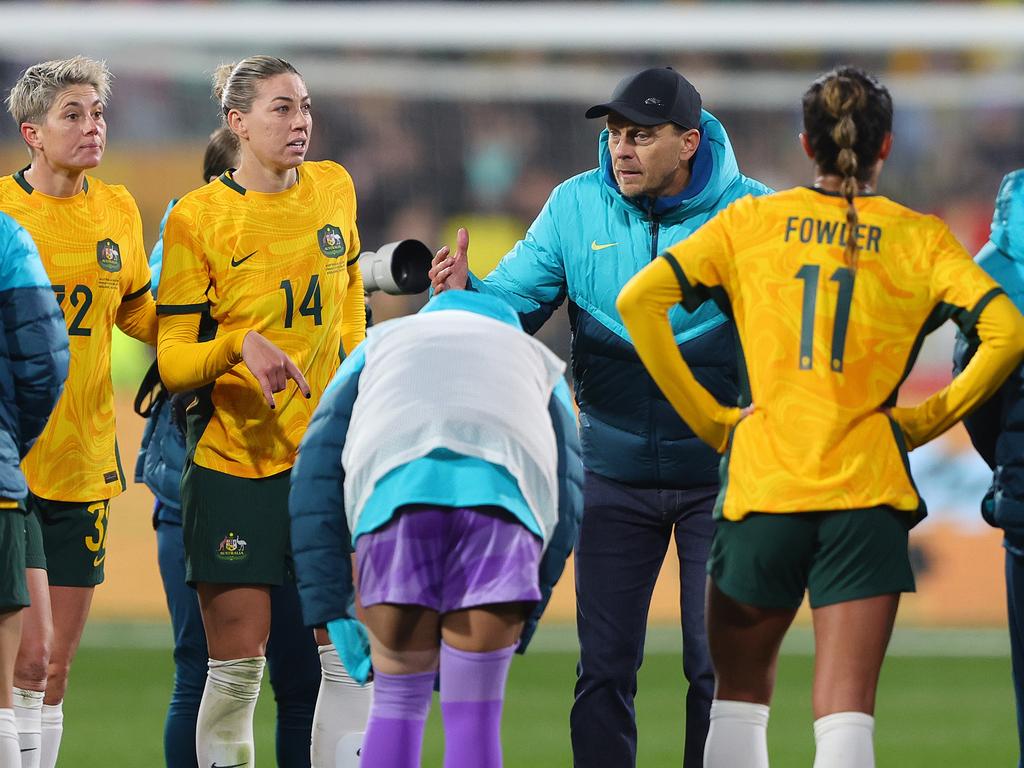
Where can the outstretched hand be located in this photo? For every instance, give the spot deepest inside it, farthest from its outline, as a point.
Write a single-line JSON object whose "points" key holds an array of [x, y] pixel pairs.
{"points": [[450, 271], [271, 366]]}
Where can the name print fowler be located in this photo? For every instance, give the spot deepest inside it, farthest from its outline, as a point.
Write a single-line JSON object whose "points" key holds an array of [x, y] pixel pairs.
{"points": [[809, 230]]}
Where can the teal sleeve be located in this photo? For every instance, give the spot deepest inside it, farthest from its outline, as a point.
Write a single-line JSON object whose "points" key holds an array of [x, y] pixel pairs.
{"points": [[531, 277], [570, 505], [320, 538], [156, 256], [20, 265]]}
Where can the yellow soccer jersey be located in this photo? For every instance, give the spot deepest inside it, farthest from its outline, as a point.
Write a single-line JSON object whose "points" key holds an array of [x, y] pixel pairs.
{"points": [[283, 264], [826, 347], [91, 246]]}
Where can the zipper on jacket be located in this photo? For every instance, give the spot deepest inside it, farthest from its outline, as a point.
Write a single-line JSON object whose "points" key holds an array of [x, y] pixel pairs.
{"points": [[654, 219], [652, 388]]}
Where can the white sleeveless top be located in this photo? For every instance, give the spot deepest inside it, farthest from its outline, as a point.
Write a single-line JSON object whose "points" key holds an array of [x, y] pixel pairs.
{"points": [[458, 380]]}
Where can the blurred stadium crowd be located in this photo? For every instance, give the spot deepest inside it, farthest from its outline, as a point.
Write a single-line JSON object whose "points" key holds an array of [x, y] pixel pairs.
{"points": [[485, 151], [423, 166]]}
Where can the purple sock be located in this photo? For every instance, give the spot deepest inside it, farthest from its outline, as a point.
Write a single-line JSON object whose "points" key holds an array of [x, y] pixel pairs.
{"points": [[394, 733], [472, 693]]}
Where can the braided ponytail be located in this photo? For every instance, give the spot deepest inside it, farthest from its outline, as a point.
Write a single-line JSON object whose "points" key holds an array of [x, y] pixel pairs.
{"points": [[841, 97], [847, 115]]}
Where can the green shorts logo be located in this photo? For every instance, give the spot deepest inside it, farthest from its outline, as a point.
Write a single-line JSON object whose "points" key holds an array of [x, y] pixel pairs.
{"points": [[232, 547], [332, 244], [108, 254]]}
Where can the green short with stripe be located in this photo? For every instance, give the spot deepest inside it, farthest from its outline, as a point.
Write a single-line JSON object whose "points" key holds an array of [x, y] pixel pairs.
{"points": [[74, 535], [13, 585], [236, 529], [769, 560]]}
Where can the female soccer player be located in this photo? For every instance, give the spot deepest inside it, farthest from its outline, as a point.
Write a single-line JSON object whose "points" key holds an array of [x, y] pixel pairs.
{"points": [[33, 366], [291, 651], [89, 236], [832, 287], [260, 287], [451, 502]]}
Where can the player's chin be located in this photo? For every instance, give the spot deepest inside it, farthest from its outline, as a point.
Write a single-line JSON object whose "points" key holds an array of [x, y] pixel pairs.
{"points": [[294, 155], [88, 158]]}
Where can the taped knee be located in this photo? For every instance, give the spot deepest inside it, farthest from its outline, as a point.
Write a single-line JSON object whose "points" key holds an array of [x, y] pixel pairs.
{"points": [[237, 679], [331, 667]]}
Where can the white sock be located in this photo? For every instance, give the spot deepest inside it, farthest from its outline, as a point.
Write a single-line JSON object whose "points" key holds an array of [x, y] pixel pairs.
{"points": [[844, 740], [28, 710], [342, 709], [9, 755], [51, 721], [738, 736], [224, 727]]}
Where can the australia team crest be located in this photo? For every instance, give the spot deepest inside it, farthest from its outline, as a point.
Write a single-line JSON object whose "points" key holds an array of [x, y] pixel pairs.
{"points": [[332, 243], [108, 255], [232, 547]]}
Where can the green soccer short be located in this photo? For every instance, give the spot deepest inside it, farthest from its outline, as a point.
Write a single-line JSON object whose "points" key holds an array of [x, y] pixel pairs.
{"points": [[236, 529], [74, 540], [13, 585], [769, 560], [35, 553]]}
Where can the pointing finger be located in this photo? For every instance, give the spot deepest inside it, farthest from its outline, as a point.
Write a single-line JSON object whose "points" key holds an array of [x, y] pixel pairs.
{"points": [[296, 375], [268, 393]]}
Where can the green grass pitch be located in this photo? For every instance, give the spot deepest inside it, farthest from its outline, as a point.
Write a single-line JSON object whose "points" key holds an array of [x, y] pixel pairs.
{"points": [[945, 700]]}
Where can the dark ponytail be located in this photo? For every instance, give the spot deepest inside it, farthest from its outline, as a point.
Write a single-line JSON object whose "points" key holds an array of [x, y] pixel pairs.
{"points": [[847, 114]]}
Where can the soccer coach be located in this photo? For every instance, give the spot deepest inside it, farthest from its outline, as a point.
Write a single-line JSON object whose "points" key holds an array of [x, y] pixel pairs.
{"points": [[666, 167]]}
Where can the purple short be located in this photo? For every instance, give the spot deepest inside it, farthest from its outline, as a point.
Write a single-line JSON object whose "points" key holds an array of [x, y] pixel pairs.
{"points": [[447, 559]]}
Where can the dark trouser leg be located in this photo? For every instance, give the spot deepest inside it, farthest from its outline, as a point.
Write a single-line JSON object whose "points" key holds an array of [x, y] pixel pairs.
{"points": [[694, 529], [294, 666], [1015, 606], [190, 655], [620, 550]]}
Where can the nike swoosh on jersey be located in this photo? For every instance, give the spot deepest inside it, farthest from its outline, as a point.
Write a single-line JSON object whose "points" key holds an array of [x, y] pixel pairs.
{"points": [[96, 562], [235, 765], [235, 263], [594, 246], [30, 749]]}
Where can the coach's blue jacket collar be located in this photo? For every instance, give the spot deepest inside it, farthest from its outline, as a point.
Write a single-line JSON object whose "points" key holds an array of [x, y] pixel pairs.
{"points": [[714, 169]]}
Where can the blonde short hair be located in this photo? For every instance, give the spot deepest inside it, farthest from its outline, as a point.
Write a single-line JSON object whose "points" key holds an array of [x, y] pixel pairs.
{"points": [[38, 87]]}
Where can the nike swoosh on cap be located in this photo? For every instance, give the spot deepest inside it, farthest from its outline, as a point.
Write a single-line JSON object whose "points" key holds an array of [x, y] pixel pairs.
{"points": [[594, 246], [235, 263]]}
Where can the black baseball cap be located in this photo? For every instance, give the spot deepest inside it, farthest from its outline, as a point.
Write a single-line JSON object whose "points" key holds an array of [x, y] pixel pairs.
{"points": [[652, 97]]}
